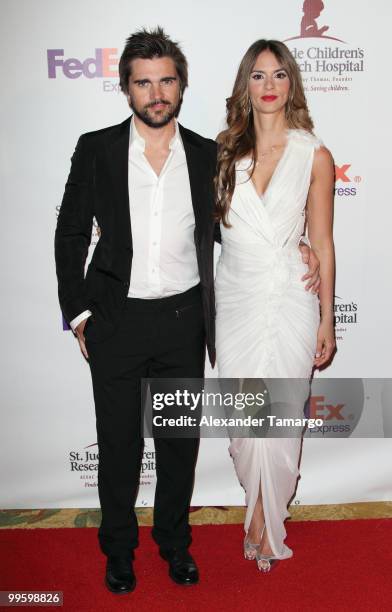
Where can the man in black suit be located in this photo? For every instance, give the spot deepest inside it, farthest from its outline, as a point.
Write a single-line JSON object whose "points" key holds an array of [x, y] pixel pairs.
{"points": [[146, 305], [145, 308]]}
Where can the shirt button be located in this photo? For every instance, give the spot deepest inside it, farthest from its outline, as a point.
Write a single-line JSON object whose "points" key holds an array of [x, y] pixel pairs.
{"points": [[155, 214]]}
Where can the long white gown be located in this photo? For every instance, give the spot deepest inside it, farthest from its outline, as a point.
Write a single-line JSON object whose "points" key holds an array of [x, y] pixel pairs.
{"points": [[266, 322]]}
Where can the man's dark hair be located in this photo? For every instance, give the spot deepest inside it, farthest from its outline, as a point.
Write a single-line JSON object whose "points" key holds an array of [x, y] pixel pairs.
{"points": [[147, 44]]}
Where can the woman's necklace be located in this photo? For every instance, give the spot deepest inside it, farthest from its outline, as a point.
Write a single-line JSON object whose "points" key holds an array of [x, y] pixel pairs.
{"points": [[273, 149]]}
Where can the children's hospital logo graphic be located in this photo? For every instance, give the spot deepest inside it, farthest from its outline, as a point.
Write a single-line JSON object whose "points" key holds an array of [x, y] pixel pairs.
{"points": [[312, 10], [345, 316], [327, 63], [84, 464]]}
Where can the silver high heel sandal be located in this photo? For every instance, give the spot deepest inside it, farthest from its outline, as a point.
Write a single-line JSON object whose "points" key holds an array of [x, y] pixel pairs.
{"points": [[250, 550], [265, 563]]}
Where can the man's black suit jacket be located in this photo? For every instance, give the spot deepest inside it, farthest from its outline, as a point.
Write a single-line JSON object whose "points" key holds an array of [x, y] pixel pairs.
{"points": [[97, 186]]}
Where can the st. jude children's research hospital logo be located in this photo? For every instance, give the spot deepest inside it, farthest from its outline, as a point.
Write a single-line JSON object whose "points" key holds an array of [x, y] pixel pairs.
{"points": [[326, 62], [84, 464], [345, 316]]}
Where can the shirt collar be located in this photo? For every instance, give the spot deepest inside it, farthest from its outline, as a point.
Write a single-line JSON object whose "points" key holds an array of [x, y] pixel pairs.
{"points": [[136, 140]]}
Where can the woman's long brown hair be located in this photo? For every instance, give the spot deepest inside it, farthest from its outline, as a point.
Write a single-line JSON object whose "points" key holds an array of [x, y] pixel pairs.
{"points": [[239, 139]]}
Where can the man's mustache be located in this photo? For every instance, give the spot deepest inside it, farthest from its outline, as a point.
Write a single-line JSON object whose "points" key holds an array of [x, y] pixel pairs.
{"points": [[158, 101]]}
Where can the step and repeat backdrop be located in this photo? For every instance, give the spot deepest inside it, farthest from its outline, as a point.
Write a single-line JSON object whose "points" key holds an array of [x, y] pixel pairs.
{"points": [[59, 79]]}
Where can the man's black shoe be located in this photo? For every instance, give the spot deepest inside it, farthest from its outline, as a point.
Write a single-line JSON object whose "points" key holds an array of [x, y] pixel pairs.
{"points": [[120, 577], [182, 567]]}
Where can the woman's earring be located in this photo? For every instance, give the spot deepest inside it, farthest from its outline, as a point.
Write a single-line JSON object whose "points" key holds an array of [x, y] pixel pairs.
{"points": [[249, 106], [289, 105], [291, 100]]}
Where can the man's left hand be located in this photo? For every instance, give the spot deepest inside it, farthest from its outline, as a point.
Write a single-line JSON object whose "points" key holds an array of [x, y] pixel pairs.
{"points": [[312, 275]]}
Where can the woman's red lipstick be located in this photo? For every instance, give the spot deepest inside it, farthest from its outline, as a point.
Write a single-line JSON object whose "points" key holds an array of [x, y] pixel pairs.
{"points": [[269, 98]]}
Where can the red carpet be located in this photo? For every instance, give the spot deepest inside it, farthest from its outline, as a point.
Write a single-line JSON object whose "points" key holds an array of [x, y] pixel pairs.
{"points": [[337, 565]]}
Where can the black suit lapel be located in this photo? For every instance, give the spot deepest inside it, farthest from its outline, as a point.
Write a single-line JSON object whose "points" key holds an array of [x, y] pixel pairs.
{"points": [[198, 178], [117, 152]]}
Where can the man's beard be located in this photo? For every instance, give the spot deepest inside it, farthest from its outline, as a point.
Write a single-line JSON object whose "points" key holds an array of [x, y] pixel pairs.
{"points": [[164, 117]]}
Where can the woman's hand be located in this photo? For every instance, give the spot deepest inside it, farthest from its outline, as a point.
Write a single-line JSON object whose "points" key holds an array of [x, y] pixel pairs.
{"points": [[326, 343]]}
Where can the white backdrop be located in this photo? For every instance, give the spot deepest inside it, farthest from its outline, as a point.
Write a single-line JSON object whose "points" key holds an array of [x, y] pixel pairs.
{"points": [[48, 422]]}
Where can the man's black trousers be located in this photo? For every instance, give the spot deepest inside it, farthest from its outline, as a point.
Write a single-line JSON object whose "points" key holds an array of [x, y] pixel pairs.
{"points": [[158, 338]]}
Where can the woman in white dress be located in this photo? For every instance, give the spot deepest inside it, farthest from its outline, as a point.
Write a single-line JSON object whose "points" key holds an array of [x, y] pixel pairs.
{"points": [[273, 175]]}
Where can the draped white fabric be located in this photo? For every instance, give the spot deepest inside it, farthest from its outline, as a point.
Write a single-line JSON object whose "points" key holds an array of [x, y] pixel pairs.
{"points": [[266, 321]]}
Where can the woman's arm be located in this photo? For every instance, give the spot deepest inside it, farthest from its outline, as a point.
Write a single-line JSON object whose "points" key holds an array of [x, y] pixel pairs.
{"points": [[320, 222]]}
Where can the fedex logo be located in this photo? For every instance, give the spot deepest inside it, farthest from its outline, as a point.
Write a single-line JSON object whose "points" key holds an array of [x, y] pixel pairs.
{"points": [[341, 173], [341, 176], [103, 64], [319, 409]]}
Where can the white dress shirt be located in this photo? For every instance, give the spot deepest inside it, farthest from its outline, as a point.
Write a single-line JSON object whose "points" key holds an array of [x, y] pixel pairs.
{"points": [[164, 259]]}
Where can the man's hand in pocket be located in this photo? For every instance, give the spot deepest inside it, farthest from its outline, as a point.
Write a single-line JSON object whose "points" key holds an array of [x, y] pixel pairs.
{"points": [[79, 331]]}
